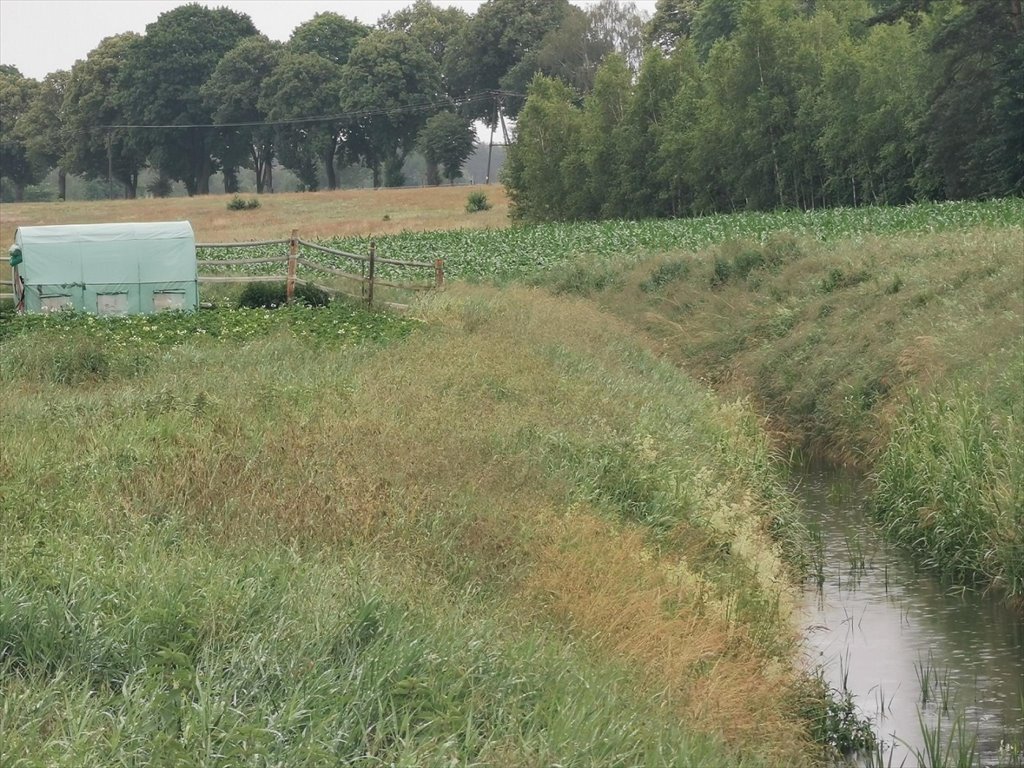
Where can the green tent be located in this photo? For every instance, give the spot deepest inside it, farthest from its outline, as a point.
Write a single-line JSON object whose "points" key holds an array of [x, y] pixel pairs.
{"points": [[106, 269]]}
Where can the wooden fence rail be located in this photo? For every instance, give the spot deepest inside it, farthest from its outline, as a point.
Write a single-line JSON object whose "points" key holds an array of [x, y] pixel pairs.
{"points": [[367, 278]]}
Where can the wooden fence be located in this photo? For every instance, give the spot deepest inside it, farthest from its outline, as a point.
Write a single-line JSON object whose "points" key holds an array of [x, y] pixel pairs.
{"points": [[367, 279]]}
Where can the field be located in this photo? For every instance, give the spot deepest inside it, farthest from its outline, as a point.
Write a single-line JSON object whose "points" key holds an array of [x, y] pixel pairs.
{"points": [[506, 529], [480, 537], [316, 215]]}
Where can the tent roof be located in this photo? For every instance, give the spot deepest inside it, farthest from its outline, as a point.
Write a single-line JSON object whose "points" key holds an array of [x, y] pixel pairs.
{"points": [[104, 233]]}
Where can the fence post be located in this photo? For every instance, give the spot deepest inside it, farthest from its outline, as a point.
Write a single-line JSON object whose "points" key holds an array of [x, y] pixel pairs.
{"points": [[373, 261], [438, 274], [293, 255]]}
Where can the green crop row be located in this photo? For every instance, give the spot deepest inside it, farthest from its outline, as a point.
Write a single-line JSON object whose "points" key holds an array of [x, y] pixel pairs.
{"points": [[519, 251]]}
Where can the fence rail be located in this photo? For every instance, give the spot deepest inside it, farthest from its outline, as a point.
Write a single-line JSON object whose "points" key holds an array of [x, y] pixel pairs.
{"points": [[367, 278]]}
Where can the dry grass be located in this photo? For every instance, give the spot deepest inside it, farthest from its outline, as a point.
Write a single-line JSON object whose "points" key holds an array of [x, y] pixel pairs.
{"points": [[442, 454], [315, 215]]}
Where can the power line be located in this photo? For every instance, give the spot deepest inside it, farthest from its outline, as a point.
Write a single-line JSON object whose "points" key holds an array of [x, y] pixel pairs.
{"points": [[420, 107]]}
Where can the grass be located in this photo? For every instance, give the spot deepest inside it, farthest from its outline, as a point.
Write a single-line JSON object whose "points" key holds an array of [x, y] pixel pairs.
{"points": [[902, 354], [505, 535], [316, 215]]}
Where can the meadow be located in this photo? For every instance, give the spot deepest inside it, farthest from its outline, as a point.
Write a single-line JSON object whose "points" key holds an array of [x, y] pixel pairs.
{"points": [[505, 534], [539, 519]]}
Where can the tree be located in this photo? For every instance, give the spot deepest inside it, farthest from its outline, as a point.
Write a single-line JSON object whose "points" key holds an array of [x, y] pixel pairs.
{"points": [[161, 86], [16, 95], [434, 28], [303, 85], [672, 21], [575, 49], [447, 139], [486, 53], [233, 94], [328, 35], [394, 84], [93, 100], [545, 171], [42, 128], [974, 124], [870, 100], [604, 115]]}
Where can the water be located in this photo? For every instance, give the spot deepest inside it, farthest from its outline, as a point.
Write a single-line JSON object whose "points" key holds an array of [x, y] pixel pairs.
{"points": [[885, 630]]}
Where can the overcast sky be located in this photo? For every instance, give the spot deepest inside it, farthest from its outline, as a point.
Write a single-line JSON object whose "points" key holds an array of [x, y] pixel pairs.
{"points": [[42, 36]]}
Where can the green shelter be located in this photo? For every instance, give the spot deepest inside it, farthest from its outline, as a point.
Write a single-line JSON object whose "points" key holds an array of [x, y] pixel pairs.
{"points": [[106, 269]]}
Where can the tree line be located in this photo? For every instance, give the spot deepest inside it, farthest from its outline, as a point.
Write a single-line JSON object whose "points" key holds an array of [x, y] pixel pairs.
{"points": [[202, 92], [763, 104]]}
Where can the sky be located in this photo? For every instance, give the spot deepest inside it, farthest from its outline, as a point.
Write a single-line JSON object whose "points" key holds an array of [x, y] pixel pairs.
{"points": [[42, 36]]}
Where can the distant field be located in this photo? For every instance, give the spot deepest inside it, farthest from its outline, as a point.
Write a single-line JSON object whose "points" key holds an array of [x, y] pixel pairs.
{"points": [[314, 214]]}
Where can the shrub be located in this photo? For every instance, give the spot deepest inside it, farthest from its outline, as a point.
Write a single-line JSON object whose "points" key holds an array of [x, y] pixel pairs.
{"points": [[665, 274], [477, 201], [237, 203], [273, 295], [263, 295]]}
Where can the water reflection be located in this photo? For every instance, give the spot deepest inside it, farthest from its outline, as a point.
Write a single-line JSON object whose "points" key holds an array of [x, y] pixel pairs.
{"points": [[909, 649]]}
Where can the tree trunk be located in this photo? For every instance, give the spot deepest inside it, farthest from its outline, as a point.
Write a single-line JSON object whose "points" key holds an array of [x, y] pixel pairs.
{"points": [[230, 180], [376, 175], [19, 192], [203, 178], [332, 176], [62, 184], [433, 174], [268, 174]]}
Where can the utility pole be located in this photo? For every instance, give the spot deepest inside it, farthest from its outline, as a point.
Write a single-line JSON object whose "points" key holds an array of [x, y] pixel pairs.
{"points": [[490, 147], [110, 165]]}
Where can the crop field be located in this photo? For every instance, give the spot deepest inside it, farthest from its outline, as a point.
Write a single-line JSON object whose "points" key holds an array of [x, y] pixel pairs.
{"points": [[525, 251]]}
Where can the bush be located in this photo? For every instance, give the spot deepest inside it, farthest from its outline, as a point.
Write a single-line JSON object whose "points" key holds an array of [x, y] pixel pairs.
{"points": [[665, 274], [237, 203], [273, 295], [263, 296], [477, 201]]}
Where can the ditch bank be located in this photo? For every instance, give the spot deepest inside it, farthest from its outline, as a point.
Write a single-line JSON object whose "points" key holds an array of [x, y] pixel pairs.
{"points": [[901, 356]]}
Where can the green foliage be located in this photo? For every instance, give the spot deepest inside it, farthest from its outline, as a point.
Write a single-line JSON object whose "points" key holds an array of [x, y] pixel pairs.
{"points": [[17, 94], [161, 85], [386, 74], [447, 140], [273, 295], [238, 203], [477, 201], [328, 35], [233, 93], [665, 274], [300, 84], [493, 50], [522, 251], [124, 346], [949, 483], [544, 171], [94, 97], [775, 104], [836, 723]]}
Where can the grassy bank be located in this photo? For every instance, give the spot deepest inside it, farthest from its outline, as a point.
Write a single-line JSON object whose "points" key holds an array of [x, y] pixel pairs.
{"points": [[506, 535], [902, 354]]}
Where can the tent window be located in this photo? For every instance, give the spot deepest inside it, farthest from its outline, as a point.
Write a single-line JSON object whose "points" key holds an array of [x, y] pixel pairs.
{"points": [[56, 303], [111, 303], [165, 301]]}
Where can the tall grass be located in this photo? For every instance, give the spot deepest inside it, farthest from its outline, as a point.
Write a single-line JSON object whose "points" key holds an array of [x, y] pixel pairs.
{"points": [[900, 354], [509, 537]]}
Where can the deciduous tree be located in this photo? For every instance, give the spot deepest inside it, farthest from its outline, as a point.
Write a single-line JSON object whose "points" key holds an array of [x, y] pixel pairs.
{"points": [[233, 94], [161, 86]]}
